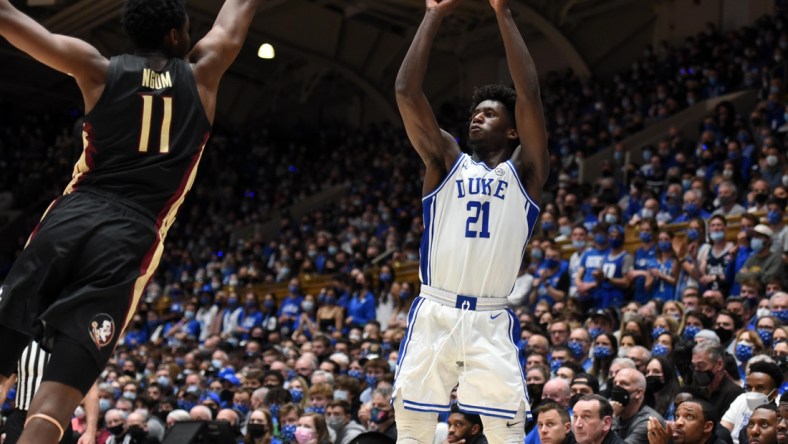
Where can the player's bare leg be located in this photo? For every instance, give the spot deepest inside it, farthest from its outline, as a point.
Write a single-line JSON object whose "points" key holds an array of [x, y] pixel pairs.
{"points": [[53, 404]]}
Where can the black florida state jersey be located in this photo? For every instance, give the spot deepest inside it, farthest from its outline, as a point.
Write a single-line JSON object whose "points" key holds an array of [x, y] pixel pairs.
{"points": [[144, 138]]}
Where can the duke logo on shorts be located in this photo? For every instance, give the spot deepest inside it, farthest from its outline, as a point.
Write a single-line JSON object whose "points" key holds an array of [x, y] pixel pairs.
{"points": [[476, 226]]}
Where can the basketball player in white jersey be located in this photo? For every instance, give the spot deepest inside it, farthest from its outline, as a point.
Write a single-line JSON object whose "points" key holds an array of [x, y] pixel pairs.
{"points": [[479, 211]]}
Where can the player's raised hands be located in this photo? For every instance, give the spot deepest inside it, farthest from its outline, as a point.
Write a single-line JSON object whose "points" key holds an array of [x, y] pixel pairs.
{"points": [[442, 6]]}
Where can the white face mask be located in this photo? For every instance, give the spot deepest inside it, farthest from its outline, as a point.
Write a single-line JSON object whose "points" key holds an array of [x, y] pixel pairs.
{"points": [[761, 312], [755, 399]]}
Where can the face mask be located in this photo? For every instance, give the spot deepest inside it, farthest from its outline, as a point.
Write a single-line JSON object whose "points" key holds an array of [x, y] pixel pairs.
{"points": [[702, 379], [303, 434], [186, 405], [308, 305], [761, 312], [340, 395], [372, 381], [256, 430], [385, 277], [616, 242], [379, 416], [319, 410], [269, 305], [691, 208], [551, 263], [555, 364], [659, 350], [116, 430], [692, 234], [743, 352], [335, 423], [579, 244], [602, 352], [232, 303], [766, 336], [647, 156], [594, 332], [647, 213], [690, 331], [716, 236], [216, 363], [288, 433], [724, 335], [611, 219], [756, 399], [104, 405], [664, 245], [565, 230], [297, 394], [163, 381], [726, 200], [548, 226], [576, 348], [756, 244], [534, 392], [620, 394], [782, 315], [623, 351], [654, 384], [761, 198], [600, 239], [274, 409], [771, 160], [646, 237], [537, 254], [358, 374], [136, 432], [656, 332], [773, 217]]}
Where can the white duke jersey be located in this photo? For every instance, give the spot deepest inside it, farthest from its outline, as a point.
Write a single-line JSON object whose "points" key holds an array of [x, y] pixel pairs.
{"points": [[476, 226]]}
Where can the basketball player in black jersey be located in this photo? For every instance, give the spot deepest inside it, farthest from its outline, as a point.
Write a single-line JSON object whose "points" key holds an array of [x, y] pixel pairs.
{"points": [[147, 119]]}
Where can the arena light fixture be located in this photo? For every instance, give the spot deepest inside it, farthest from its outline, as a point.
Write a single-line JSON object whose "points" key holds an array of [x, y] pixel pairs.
{"points": [[266, 51]]}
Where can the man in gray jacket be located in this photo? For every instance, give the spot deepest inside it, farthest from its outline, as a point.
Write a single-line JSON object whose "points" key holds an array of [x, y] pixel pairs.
{"points": [[338, 419], [630, 413]]}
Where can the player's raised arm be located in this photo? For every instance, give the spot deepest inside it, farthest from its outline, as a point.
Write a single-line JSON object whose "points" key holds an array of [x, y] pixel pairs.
{"points": [[437, 148], [531, 157], [65, 54], [215, 52]]}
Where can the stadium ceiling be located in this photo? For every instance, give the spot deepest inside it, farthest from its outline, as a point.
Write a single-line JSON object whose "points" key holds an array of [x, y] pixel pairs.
{"points": [[332, 54]]}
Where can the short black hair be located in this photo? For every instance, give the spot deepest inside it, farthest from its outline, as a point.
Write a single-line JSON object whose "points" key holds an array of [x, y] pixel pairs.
{"points": [[768, 368], [499, 93], [470, 417], [146, 22]]}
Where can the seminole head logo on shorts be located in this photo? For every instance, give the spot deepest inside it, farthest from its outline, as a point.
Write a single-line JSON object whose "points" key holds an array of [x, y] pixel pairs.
{"points": [[102, 329]]}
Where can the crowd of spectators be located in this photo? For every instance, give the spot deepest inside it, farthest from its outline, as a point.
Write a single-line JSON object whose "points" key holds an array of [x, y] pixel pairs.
{"points": [[692, 324]]}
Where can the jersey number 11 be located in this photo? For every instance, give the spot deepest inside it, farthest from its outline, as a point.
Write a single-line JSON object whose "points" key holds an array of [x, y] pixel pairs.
{"points": [[147, 118]]}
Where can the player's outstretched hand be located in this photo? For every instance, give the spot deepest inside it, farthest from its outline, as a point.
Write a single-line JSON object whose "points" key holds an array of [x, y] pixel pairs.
{"points": [[499, 5], [442, 6]]}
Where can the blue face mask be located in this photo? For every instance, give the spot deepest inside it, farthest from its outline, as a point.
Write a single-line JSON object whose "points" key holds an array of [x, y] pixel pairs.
{"points": [[548, 226], [657, 331], [297, 394], [576, 348], [716, 236], [358, 374], [611, 219], [692, 234], [372, 381], [555, 364], [291, 374], [743, 352], [646, 237], [664, 245], [288, 433], [318, 410], [579, 244], [659, 350], [274, 409], [594, 332], [186, 405], [602, 352], [782, 315], [105, 404], [616, 242], [241, 408], [565, 230], [691, 209], [600, 239], [773, 217], [537, 254], [690, 331], [766, 336], [757, 244], [551, 263]]}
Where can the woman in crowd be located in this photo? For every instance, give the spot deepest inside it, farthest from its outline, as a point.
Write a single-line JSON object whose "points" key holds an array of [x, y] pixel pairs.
{"points": [[403, 300], [605, 349], [330, 316], [665, 269], [312, 429], [747, 345], [259, 428], [693, 248], [661, 386], [298, 388]]}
